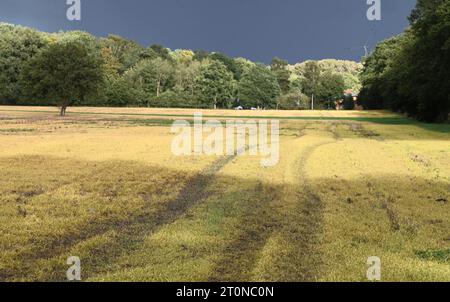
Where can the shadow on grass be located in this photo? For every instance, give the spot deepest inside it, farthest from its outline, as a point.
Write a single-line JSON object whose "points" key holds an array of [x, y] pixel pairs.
{"points": [[41, 256]]}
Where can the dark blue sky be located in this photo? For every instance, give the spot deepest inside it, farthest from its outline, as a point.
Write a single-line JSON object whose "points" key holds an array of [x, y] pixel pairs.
{"points": [[256, 29]]}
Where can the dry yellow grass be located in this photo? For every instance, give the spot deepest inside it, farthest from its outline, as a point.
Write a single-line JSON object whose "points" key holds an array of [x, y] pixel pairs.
{"points": [[18, 110], [105, 186]]}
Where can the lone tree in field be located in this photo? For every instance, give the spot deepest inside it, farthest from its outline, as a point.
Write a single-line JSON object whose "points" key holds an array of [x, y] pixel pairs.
{"points": [[63, 73]]}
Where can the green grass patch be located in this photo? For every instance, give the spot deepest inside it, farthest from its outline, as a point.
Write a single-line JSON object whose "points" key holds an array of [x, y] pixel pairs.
{"points": [[439, 255]]}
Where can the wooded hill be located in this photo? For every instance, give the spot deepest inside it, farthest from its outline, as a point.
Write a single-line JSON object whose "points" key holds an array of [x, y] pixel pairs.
{"points": [[76, 68]]}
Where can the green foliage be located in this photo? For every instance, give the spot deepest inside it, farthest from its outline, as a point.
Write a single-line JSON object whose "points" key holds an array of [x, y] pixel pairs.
{"points": [[120, 92], [311, 78], [134, 75], [431, 51], [186, 75], [331, 87], [63, 73], [242, 66], [340, 66], [178, 99], [294, 101], [150, 77], [279, 67], [259, 87], [349, 70], [351, 82], [376, 67], [17, 46], [182, 56], [325, 80], [215, 83], [161, 52], [90, 42], [200, 55], [230, 63], [410, 73], [126, 52]]}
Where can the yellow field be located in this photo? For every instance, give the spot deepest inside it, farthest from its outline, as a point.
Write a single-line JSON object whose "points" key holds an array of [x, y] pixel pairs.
{"points": [[102, 184]]}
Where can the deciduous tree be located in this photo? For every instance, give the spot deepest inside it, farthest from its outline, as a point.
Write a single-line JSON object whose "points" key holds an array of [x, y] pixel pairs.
{"points": [[63, 73], [259, 87], [215, 82]]}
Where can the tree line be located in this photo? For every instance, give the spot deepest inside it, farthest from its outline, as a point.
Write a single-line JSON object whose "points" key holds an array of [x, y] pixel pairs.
{"points": [[76, 68], [410, 73]]}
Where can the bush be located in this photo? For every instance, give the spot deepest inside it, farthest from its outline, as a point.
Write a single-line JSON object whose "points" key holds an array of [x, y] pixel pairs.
{"points": [[171, 99], [294, 101]]}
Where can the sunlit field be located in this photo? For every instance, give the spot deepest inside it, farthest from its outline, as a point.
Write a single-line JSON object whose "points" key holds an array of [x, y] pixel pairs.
{"points": [[102, 184]]}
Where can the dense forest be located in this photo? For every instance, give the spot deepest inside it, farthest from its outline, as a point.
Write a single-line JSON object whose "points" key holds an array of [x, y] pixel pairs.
{"points": [[410, 73], [76, 68]]}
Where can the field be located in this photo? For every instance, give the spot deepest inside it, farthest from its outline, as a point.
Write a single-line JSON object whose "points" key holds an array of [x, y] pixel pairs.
{"points": [[102, 184]]}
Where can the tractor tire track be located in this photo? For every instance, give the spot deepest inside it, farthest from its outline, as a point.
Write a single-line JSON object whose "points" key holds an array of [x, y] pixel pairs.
{"points": [[241, 256], [310, 209], [131, 231]]}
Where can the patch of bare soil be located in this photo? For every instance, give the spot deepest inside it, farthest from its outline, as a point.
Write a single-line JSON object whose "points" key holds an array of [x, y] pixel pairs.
{"points": [[420, 159], [360, 131]]}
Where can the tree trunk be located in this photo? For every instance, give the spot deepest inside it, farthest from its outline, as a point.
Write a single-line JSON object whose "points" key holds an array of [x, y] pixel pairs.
{"points": [[312, 102], [158, 87], [63, 110]]}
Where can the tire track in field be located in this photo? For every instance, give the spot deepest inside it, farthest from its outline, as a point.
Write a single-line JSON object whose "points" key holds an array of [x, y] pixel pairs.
{"points": [[309, 214], [241, 256], [193, 193], [130, 232], [360, 131]]}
